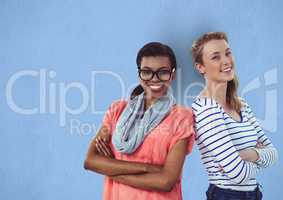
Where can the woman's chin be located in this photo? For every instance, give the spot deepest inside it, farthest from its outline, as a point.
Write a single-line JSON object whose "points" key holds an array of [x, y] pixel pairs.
{"points": [[227, 78], [155, 93], [230, 78]]}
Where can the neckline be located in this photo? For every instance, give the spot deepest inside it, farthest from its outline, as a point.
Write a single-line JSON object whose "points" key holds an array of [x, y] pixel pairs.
{"points": [[241, 111], [238, 121]]}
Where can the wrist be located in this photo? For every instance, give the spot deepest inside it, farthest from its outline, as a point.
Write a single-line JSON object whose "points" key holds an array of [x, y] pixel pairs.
{"points": [[256, 158], [257, 151]]}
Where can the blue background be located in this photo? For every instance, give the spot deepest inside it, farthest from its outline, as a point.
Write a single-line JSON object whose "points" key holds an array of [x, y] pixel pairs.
{"points": [[41, 159]]}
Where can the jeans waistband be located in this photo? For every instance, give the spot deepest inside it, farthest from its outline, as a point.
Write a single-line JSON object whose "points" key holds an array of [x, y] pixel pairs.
{"points": [[213, 187]]}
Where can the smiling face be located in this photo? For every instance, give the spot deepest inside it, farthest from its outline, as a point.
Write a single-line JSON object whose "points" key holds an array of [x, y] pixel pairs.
{"points": [[217, 62], [156, 88]]}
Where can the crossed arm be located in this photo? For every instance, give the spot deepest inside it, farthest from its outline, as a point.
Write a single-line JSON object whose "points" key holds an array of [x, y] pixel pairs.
{"points": [[140, 175]]}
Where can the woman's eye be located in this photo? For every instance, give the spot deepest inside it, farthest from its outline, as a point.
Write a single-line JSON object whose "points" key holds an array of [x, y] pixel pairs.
{"points": [[228, 53], [215, 57], [164, 72], [146, 72]]}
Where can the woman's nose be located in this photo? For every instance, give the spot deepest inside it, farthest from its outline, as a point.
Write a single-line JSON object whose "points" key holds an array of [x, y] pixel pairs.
{"points": [[155, 78], [226, 60]]}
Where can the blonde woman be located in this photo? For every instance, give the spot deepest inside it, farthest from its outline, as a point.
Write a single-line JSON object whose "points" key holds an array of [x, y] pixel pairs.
{"points": [[232, 144]]}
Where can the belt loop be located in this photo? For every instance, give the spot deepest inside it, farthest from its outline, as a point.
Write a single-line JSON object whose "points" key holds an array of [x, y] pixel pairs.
{"points": [[211, 191], [259, 188]]}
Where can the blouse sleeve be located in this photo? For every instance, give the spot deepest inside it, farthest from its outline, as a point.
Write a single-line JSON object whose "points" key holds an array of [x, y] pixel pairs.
{"points": [[267, 155], [213, 138], [184, 129]]}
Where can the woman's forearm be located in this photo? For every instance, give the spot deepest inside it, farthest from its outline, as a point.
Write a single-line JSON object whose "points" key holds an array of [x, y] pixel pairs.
{"points": [[263, 157], [111, 167], [148, 181], [249, 155], [268, 156], [166, 178]]}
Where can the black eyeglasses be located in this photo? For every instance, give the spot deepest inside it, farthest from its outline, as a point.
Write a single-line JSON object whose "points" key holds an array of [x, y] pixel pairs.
{"points": [[161, 74]]}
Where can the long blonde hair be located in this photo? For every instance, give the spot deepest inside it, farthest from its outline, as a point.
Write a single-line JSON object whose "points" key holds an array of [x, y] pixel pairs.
{"points": [[197, 53]]}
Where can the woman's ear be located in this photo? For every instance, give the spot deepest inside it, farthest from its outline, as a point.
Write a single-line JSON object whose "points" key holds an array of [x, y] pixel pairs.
{"points": [[200, 68], [173, 74]]}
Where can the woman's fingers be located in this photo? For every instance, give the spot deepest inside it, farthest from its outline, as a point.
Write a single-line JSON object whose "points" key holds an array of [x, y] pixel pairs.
{"points": [[221, 168], [100, 148], [243, 154], [110, 153], [105, 134], [106, 145], [259, 145], [103, 147]]}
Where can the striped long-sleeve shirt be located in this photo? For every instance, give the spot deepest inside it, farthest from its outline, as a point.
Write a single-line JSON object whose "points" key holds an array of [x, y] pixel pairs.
{"points": [[220, 138]]}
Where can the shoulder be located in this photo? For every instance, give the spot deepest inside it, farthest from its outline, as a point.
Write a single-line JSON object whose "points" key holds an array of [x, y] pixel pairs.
{"points": [[179, 115], [119, 103], [179, 111], [245, 106], [202, 104], [117, 106]]}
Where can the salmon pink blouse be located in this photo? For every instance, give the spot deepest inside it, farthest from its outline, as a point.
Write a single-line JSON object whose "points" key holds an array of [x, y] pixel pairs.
{"points": [[177, 125]]}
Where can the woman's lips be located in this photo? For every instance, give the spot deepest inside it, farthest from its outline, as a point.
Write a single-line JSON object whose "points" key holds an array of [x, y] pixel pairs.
{"points": [[227, 69], [156, 88]]}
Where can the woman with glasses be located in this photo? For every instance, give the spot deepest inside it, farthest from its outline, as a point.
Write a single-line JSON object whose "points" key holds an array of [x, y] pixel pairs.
{"points": [[143, 141], [232, 144]]}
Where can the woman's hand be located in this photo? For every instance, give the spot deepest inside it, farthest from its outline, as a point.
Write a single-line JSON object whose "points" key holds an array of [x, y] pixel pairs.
{"points": [[259, 145], [149, 169], [251, 154], [103, 147], [102, 144], [161, 178], [99, 158]]}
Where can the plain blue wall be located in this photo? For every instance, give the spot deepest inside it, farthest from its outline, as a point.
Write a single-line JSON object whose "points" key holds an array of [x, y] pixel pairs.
{"points": [[41, 158]]}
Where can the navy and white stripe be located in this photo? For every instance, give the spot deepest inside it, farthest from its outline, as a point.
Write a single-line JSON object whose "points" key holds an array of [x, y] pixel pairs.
{"points": [[220, 138]]}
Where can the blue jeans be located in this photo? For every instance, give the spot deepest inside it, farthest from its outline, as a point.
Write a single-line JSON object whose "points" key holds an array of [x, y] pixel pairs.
{"points": [[216, 193]]}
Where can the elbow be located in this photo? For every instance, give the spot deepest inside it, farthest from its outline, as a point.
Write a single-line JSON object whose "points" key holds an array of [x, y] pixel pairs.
{"points": [[276, 156], [90, 163], [269, 159], [273, 158], [239, 181], [87, 164], [167, 188], [93, 164], [239, 178], [242, 177], [167, 184]]}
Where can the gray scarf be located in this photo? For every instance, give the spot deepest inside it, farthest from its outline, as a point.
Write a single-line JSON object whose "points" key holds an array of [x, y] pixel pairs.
{"points": [[134, 124]]}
